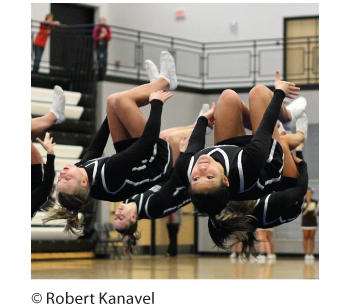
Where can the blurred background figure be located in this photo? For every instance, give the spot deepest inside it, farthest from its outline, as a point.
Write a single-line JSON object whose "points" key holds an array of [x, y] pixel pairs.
{"points": [[272, 256], [40, 41], [309, 224], [102, 35], [236, 248], [173, 226], [264, 245]]}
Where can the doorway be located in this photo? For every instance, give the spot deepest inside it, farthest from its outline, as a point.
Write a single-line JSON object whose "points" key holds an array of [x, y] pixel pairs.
{"points": [[301, 52], [71, 45]]}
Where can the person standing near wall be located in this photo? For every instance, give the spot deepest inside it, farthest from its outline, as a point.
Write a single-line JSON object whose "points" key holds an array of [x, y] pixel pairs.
{"points": [[40, 41], [173, 225], [309, 224], [102, 35]]}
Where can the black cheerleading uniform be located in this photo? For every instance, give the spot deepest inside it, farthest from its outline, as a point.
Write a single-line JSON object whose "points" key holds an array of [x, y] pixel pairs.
{"points": [[161, 200], [253, 164], [138, 164], [282, 206], [42, 177]]}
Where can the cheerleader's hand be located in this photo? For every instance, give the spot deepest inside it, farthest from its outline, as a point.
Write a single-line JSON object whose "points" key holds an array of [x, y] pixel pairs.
{"points": [[296, 159], [210, 115], [160, 95], [288, 88], [47, 143]]}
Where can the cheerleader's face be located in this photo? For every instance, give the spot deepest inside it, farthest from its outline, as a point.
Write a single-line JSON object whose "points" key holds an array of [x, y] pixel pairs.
{"points": [[123, 216], [207, 173], [69, 179]]}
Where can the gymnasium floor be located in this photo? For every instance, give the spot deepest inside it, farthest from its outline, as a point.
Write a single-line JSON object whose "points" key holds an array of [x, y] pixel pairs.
{"points": [[180, 267]]}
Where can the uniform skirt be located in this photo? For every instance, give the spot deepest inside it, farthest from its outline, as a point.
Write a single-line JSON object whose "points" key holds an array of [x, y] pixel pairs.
{"points": [[309, 221]]}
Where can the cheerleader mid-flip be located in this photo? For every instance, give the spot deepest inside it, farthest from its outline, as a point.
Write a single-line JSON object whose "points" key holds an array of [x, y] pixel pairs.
{"points": [[141, 159], [161, 200], [239, 166], [241, 219]]}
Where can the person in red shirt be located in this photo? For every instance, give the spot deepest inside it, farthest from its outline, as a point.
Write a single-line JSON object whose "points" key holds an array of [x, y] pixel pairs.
{"points": [[102, 35], [40, 41]]}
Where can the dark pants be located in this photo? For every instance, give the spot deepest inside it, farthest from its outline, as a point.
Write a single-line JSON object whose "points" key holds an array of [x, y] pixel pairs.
{"points": [[173, 230], [101, 54], [38, 52]]}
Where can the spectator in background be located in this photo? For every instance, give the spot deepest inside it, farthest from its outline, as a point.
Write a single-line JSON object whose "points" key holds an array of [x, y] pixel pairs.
{"points": [[309, 224], [40, 41], [272, 256], [102, 35], [235, 249], [264, 245], [173, 226]]}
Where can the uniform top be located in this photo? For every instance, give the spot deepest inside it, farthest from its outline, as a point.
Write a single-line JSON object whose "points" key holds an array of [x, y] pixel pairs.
{"points": [[161, 200], [103, 42], [311, 206], [224, 154], [113, 169], [228, 155], [282, 206]]}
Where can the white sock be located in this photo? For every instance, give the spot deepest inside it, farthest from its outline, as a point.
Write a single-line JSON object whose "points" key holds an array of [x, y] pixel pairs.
{"points": [[58, 104]]}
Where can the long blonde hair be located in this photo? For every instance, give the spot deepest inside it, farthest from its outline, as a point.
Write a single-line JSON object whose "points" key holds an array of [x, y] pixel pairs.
{"points": [[130, 238], [67, 208]]}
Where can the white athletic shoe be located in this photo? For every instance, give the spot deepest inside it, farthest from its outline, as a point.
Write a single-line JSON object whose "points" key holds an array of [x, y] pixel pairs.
{"points": [[302, 124], [233, 255], [205, 108], [296, 108], [167, 69], [261, 258], [252, 259], [152, 71], [58, 104]]}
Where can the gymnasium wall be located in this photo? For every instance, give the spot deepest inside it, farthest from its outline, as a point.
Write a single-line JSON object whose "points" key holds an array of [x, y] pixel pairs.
{"points": [[203, 22], [207, 23]]}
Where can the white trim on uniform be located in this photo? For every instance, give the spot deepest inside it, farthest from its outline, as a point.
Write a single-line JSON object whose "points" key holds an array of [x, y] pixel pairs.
{"points": [[272, 151], [224, 155], [227, 164], [140, 203], [146, 207], [240, 171], [42, 171], [127, 181], [177, 207]]}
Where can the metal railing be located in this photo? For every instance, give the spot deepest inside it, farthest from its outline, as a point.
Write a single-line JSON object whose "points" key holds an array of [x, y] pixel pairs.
{"points": [[198, 65]]}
